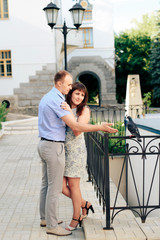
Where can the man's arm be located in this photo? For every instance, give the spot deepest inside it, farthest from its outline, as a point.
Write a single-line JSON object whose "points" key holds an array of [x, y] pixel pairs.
{"points": [[84, 127]]}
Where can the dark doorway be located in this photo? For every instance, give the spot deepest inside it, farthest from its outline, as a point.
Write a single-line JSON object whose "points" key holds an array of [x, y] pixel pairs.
{"points": [[6, 103], [92, 84]]}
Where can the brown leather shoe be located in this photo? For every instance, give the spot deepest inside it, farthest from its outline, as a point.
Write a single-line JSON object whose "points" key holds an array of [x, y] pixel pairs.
{"points": [[43, 223], [58, 231]]}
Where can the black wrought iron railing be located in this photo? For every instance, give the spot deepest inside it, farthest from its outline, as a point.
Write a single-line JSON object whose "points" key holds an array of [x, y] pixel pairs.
{"points": [[141, 166], [98, 169]]}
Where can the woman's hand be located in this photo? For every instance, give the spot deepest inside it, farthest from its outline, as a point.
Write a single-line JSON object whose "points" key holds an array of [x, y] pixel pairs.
{"points": [[66, 106]]}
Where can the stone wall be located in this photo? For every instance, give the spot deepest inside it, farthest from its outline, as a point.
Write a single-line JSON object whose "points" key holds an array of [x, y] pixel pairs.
{"points": [[26, 98]]}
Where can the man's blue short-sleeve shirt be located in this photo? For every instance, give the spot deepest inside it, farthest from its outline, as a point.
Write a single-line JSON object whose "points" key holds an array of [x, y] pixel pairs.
{"points": [[50, 113]]}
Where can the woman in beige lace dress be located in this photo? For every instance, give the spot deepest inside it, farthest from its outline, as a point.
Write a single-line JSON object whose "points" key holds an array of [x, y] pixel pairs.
{"points": [[75, 153]]}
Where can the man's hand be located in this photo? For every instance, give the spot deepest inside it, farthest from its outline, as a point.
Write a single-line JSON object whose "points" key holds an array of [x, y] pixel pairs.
{"points": [[106, 128]]}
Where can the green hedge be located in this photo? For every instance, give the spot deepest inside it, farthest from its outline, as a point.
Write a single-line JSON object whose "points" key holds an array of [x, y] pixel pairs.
{"points": [[3, 113], [117, 145]]}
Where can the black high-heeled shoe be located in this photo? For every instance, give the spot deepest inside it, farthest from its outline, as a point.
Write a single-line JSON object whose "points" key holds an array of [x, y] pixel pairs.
{"points": [[79, 220], [87, 209]]}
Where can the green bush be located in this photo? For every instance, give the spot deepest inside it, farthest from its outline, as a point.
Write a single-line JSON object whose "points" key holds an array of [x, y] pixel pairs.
{"points": [[117, 145], [147, 97], [3, 113]]}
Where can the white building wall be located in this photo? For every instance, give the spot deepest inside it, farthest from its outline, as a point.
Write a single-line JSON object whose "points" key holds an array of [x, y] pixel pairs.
{"points": [[102, 22], [30, 40], [103, 34], [32, 43]]}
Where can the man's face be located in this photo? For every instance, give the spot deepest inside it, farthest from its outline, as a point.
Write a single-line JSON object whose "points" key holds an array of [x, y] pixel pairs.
{"points": [[66, 84]]}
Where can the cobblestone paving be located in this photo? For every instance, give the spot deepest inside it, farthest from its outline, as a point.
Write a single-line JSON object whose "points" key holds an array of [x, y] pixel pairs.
{"points": [[20, 176], [20, 179]]}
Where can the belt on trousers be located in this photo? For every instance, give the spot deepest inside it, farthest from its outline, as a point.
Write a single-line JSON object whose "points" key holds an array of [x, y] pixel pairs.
{"points": [[44, 139]]}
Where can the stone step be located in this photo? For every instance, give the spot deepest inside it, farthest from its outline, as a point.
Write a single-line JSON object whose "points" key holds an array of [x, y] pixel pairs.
{"points": [[30, 101], [17, 91], [20, 130], [32, 89], [42, 82], [21, 126], [28, 110], [30, 97], [35, 95], [29, 92], [24, 103], [42, 77], [45, 72], [27, 103], [33, 78], [38, 84], [42, 74]]}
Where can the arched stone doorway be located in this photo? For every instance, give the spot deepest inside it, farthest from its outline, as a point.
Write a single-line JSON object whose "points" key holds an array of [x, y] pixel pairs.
{"points": [[92, 83], [97, 69]]}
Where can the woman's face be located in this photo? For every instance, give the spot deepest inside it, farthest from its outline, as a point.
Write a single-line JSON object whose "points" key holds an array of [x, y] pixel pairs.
{"points": [[77, 97]]}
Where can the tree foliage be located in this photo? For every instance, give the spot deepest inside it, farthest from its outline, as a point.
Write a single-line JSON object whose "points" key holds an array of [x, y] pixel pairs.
{"points": [[155, 62], [132, 50], [146, 27]]}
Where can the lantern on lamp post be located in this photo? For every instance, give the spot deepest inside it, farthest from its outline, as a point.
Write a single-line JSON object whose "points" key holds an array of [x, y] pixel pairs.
{"points": [[77, 12]]}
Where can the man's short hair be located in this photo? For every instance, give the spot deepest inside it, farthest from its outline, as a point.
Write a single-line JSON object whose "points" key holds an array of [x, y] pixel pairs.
{"points": [[61, 75]]}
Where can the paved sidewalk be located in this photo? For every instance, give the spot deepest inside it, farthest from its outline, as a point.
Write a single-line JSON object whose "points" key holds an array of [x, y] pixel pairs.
{"points": [[20, 175]]}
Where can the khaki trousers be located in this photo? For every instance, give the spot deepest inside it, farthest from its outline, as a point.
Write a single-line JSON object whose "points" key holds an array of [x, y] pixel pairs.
{"points": [[53, 161]]}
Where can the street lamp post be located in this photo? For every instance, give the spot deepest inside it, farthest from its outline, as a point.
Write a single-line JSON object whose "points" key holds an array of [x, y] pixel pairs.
{"points": [[77, 12]]}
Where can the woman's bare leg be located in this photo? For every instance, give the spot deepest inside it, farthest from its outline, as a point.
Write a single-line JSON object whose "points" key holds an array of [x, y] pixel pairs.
{"points": [[65, 189], [67, 192], [74, 186]]}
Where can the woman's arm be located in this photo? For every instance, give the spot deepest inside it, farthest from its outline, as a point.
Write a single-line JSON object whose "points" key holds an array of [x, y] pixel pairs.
{"points": [[83, 118]]}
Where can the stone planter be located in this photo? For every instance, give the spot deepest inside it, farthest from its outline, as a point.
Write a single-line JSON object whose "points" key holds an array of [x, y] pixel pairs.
{"points": [[115, 167]]}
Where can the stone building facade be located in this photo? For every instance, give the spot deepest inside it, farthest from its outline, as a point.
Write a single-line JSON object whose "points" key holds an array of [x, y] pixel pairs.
{"points": [[90, 55]]}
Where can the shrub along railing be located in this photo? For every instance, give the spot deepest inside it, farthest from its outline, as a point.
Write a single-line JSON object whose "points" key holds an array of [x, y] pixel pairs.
{"points": [[100, 147]]}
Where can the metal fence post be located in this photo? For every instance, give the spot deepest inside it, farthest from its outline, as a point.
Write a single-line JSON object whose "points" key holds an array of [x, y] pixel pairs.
{"points": [[107, 183], [88, 156]]}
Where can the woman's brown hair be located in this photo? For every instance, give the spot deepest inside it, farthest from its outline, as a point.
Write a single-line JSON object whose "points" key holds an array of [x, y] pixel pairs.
{"points": [[81, 87]]}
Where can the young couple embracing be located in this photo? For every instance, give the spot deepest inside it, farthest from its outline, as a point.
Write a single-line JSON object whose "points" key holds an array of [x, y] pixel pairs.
{"points": [[62, 150]]}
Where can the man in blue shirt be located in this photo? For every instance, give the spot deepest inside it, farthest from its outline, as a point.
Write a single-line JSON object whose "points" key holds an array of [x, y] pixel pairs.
{"points": [[52, 122]]}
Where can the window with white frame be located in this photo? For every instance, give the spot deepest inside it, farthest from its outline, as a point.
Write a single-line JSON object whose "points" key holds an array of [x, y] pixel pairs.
{"points": [[4, 9], [5, 63]]}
